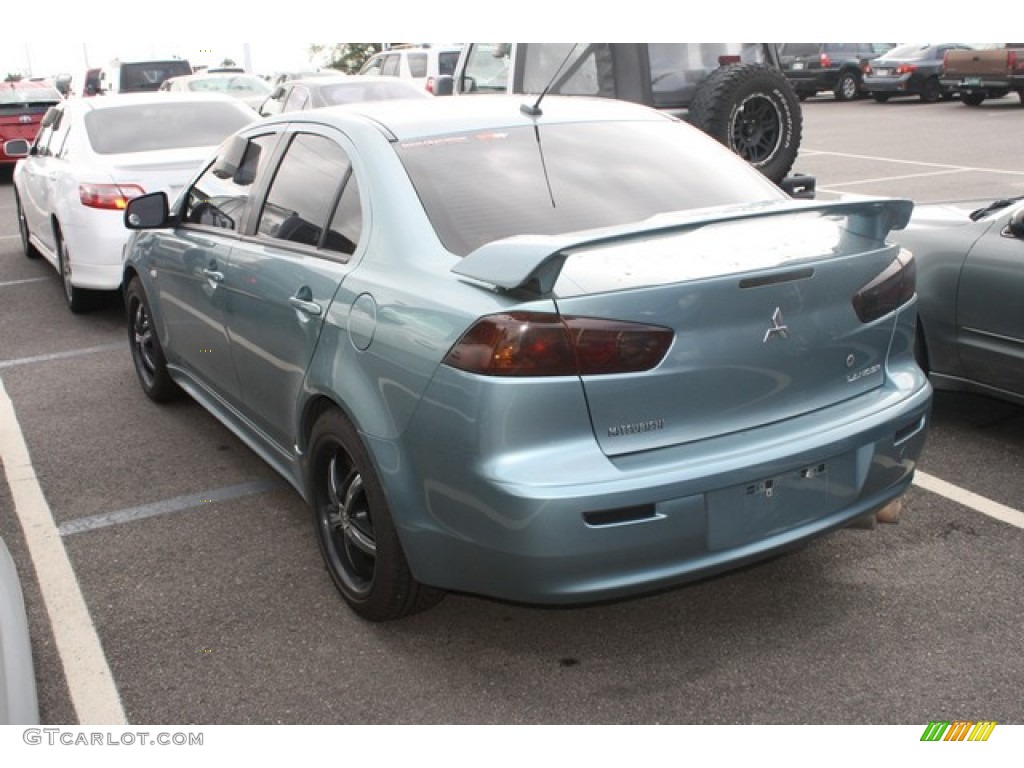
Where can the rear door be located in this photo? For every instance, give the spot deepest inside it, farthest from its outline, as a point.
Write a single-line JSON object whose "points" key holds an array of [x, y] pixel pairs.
{"points": [[764, 322], [283, 280]]}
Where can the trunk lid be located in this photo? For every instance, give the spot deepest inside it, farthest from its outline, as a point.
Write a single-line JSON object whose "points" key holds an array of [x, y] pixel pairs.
{"points": [[761, 307]]}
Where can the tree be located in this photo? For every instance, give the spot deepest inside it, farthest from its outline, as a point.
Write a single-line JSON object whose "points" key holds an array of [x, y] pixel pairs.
{"points": [[13, 77], [347, 57]]}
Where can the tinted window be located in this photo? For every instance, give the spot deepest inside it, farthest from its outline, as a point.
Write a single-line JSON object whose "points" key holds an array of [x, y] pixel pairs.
{"points": [[148, 75], [143, 128], [218, 199], [446, 61], [801, 49], [304, 193], [482, 187]]}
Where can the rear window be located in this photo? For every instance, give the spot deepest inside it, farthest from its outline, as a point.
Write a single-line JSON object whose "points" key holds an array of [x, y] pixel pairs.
{"points": [[483, 186], [800, 49], [41, 96], [149, 75], [144, 128]]}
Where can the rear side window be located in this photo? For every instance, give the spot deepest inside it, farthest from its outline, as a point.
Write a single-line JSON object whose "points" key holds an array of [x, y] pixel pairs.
{"points": [[304, 195], [571, 177], [446, 61], [418, 64]]}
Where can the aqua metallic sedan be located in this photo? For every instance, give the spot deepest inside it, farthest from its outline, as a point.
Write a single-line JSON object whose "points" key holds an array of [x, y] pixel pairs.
{"points": [[553, 351], [971, 286]]}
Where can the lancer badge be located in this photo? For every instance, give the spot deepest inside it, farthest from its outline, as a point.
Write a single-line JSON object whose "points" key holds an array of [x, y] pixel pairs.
{"points": [[779, 329]]}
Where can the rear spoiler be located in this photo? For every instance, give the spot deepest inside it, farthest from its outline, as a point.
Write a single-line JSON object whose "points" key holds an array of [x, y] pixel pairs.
{"points": [[533, 262]]}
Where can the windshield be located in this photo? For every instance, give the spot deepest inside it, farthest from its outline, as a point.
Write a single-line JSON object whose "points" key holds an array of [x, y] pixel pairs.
{"points": [[484, 186], [147, 127]]}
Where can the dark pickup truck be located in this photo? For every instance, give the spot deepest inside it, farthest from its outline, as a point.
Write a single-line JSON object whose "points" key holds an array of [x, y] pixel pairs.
{"points": [[989, 73]]}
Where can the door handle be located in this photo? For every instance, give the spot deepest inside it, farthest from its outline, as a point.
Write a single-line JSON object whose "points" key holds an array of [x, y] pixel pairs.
{"points": [[212, 274], [306, 307]]}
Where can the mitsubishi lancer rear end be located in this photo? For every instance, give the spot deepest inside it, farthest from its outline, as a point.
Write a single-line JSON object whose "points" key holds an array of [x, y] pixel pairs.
{"points": [[674, 369]]}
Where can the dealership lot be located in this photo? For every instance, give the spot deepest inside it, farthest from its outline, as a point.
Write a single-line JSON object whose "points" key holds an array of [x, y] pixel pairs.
{"points": [[198, 570]]}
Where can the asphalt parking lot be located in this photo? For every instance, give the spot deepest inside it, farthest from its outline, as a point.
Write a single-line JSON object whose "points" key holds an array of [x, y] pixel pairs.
{"points": [[184, 585]]}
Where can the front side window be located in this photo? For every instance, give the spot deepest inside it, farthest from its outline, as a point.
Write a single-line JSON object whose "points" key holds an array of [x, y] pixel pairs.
{"points": [[302, 204], [391, 63], [219, 197]]}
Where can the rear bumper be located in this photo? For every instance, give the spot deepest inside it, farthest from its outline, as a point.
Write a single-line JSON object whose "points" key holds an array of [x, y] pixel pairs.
{"points": [[96, 242], [568, 525]]}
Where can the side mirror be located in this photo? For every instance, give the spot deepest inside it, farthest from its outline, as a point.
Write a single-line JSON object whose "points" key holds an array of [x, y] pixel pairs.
{"points": [[1016, 224], [444, 85], [17, 148], [147, 211]]}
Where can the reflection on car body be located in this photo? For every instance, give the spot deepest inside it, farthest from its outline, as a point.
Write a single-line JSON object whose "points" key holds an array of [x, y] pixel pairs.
{"points": [[528, 353]]}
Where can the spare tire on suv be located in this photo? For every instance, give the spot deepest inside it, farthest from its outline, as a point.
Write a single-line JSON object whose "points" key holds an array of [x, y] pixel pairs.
{"points": [[753, 110]]}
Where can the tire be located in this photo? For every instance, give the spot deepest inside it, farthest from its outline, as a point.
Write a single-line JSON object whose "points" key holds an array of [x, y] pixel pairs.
{"points": [[354, 529], [753, 110], [147, 354], [847, 86], [79, 300], [881, 98], [972, 99], [931, 90], [26, 243]]}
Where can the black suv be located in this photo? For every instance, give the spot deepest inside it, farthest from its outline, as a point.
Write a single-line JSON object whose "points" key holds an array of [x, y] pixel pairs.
{"points": [[836, 67]]}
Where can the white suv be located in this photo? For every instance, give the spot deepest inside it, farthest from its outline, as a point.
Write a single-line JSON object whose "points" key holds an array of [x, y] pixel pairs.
{"points": [[422, 64]]}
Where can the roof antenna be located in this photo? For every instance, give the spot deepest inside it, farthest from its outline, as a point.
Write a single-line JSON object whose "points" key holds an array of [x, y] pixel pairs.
{"points": [[533, 110]]}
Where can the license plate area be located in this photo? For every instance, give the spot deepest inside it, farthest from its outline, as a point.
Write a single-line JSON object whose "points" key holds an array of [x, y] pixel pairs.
{"points": [[763, 507]]}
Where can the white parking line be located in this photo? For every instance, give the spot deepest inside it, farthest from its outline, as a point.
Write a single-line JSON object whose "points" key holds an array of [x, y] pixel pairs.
{"points": [[25, 280], [968, 499], [946, 166], [90, 682], [60, 355]]}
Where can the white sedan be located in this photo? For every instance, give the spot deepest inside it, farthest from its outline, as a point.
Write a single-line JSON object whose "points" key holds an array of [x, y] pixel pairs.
{"points": [[90, 157]]}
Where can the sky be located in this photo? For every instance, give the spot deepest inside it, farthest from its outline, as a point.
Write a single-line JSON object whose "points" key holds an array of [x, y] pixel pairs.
{"points": [[280, 34]]}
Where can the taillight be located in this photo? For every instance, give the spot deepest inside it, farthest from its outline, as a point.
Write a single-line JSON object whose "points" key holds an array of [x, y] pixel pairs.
{"points": [[906, 69], [826, 60], [113, 197], [1012, 63], [430, 85], [546, 344], [891, 289]]}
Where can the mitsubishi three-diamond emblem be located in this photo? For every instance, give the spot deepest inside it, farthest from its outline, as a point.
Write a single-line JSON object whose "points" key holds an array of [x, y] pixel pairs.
{"points": [[779, 330]]}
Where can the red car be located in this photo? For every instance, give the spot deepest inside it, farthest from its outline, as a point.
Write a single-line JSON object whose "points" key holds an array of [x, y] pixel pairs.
{"points": [[22, 106]]}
